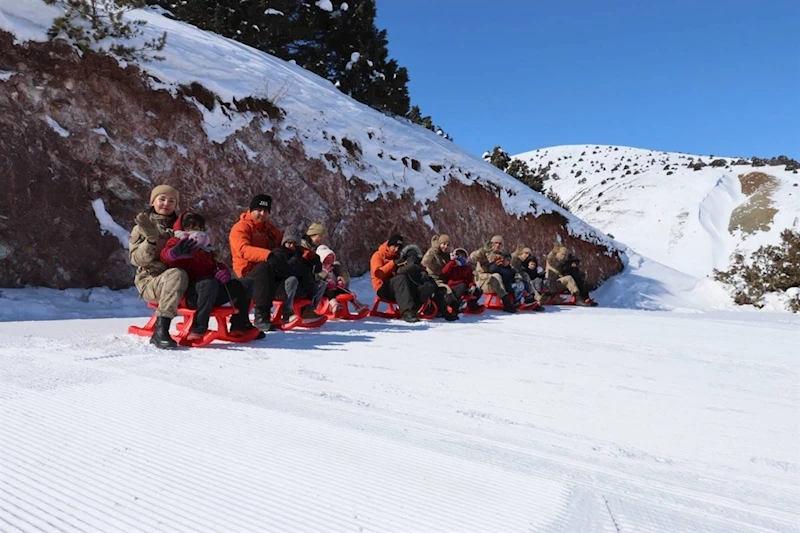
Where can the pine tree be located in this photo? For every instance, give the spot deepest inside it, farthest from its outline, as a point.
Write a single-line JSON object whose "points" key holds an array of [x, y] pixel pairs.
{"points": [[499, 158], [105, 19]]}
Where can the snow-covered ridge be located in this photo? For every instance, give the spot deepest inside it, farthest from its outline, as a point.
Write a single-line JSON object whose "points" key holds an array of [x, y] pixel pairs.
{"points": [[691, 220], [395, 155]]}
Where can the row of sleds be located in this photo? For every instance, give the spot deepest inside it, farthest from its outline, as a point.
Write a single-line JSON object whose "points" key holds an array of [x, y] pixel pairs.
{"points": [[345, 310]]}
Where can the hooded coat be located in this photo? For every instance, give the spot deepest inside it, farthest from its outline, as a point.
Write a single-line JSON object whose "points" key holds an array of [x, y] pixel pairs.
{"points": [[434, 261], [382, 266], [145, 255]]}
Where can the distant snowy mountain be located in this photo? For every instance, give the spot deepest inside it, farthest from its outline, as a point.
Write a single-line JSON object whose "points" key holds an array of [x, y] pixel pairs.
{"points": [[659, 205]]}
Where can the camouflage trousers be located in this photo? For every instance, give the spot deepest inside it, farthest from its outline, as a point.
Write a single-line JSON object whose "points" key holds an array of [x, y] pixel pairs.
{"points": [[492, 283], [166, 290]]}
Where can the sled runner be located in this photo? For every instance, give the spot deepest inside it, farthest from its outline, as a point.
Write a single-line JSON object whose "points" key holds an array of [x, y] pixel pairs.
{"points": [[221, 314], [343, 311], [428, 311], [297, 310]]}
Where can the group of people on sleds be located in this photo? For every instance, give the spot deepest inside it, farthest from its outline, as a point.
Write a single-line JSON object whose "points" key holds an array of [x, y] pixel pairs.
{"points": [[176, 266]]}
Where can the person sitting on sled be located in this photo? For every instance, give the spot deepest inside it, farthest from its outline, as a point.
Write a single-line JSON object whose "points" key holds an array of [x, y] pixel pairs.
{"points": [[334, 284], [512, 280], [457, 273], [298, 267], [535, 273], [560, 271], [210, 281], [156, 282]]}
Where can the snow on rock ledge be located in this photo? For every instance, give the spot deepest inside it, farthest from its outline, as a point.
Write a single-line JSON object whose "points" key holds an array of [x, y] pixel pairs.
{"points": [[320, 154]]}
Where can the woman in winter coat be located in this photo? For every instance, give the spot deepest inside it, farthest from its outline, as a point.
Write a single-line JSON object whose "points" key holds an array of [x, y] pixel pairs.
{"points": [[156, 281], [434, 260]]}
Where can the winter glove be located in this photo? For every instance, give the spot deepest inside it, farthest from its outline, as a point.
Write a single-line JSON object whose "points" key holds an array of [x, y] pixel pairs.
{"points": [[340, 283], [223, 275], [331, 286], [182, 250], [147, 227]]}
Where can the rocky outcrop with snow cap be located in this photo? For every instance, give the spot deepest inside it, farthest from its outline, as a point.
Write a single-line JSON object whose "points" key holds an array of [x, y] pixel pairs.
{"points": [[222, 122]]}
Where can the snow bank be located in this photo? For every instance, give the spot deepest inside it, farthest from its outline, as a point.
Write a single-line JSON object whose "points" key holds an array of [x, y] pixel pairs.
{"points": [[316, 113]]}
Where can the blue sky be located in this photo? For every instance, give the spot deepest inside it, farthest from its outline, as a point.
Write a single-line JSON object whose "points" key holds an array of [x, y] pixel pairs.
{"points": [[703, 77]]}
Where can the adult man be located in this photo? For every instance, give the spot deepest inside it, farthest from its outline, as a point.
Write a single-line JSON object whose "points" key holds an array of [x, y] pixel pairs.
{"points": [[155, 281], [252, 239], [561, 271], [488, 282], [392, 278]]}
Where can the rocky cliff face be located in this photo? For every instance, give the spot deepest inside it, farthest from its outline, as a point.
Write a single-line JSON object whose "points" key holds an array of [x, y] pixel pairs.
{"points": [[75, 129]]}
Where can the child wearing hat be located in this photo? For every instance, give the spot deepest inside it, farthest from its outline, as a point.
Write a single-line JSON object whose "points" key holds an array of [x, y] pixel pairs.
{"points": [[210, 281]]}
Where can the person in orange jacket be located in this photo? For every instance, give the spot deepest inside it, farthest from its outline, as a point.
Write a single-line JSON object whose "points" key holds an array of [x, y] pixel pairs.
{"points": [[393, 277], [252, 239]]}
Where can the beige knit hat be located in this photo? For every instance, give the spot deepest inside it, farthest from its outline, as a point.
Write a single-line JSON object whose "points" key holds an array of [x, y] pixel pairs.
{"points": [[316, 228], [444, 239], [164, 189]]}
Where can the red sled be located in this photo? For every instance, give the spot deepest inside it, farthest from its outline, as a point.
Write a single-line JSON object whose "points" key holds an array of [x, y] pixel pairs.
{"points": [[220, 314], [343, 312], [495, 302], [428, 311], [563, 298], [297, 310], [465, 301]]}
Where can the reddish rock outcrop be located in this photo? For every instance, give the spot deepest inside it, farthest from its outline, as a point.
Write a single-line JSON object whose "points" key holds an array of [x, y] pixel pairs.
{"points": [[118, 138]]}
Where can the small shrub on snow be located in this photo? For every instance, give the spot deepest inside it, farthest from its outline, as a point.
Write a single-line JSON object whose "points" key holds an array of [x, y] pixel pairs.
{"points": [[772, 268]]}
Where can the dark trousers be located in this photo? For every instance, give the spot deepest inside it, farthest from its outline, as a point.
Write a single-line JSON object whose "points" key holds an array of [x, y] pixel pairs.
{"points": [[262, 282], [205, 294], [459, 291], [409, 296]]}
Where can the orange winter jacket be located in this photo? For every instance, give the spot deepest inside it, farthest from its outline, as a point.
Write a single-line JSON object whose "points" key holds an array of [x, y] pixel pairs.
{"points": [[381, 266], [251, 242]]}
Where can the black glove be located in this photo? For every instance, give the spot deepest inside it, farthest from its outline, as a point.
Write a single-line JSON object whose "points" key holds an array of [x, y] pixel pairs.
{"points": [[183, 249]]}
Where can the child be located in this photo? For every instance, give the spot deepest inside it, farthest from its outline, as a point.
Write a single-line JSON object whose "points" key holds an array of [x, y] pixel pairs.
{"points": [[210, 282], [334, 285], [457, 273], [535, 273], [512, 280], [298, 266]]}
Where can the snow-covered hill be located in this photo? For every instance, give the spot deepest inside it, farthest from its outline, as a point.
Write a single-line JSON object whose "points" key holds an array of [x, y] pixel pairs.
{"points": [[691, 220]]}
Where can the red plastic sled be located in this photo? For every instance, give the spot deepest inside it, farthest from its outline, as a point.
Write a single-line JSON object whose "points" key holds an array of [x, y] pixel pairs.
{"points": [[220, 314], [561, 298], [466, 299], [297, 309], [343, 312], [494, 302], [428, 311]]}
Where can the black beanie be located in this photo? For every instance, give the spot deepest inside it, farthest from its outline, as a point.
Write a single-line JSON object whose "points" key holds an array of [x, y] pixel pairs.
{"points": [[261, 201], [396, 240]]}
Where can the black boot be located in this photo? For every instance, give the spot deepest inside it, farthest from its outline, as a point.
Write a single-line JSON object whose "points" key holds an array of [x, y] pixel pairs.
{"points": [[410, 316], [161, 337], [261, 319], [508, 304]]}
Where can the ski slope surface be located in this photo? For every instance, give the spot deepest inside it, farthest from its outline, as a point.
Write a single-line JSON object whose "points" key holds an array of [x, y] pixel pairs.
{"points": [[690, 220], [572, 420]]}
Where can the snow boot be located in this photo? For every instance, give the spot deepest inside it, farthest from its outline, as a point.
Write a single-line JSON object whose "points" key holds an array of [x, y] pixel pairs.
{"points": [[243, 328], [261, 320], [508, 304], [308, 314], [584, 302], [161, 337], [473, 305], [410, 316]]}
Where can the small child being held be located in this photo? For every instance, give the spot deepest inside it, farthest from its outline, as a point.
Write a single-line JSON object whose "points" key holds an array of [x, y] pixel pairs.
{"points": [[458, 275], [335, 285], [210, 282]]}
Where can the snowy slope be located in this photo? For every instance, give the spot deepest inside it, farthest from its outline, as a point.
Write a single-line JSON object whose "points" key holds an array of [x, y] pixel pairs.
{"points": [[640, 422], [680, 219], [316, 113]]}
